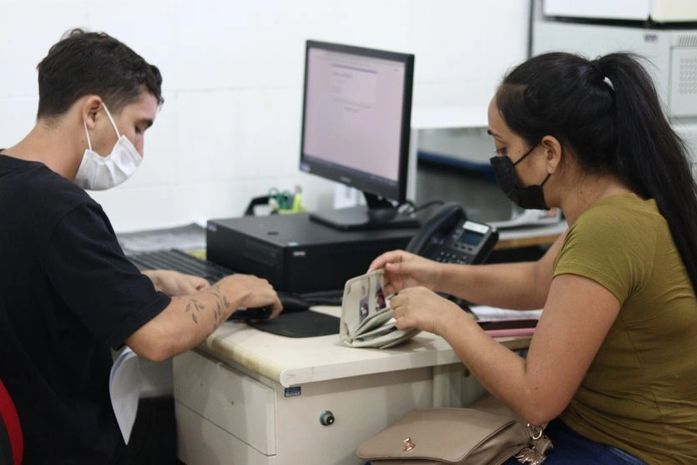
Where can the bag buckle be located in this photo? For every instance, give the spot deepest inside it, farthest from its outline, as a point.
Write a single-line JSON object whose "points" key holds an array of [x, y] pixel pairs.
{"points": [[408, 444], [534, 454]]}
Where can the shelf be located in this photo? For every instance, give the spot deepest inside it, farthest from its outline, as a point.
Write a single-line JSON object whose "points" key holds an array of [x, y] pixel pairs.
{"points": [[446, 117]]}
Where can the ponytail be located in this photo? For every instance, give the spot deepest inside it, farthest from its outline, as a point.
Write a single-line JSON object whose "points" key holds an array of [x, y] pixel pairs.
{"points": [[608, 112], [650, 157]]}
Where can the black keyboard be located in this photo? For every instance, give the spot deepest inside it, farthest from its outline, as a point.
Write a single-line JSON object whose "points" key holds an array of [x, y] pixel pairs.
{"points": [[178, 260]]}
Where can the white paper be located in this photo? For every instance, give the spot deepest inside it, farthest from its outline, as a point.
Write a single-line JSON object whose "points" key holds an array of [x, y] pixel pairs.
{"points": [[485, 313], [187, 237], [124, 388]]}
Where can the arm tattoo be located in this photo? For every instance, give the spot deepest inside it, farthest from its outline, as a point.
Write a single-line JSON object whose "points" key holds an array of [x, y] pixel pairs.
{"points": [[194, 307]]}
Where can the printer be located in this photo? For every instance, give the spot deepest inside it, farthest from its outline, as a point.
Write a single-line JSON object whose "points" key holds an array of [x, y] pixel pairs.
{"points": [[296, 254]]}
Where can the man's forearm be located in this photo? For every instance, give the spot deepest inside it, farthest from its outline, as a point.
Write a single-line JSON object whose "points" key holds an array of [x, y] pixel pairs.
{"points": [[185, 323]]}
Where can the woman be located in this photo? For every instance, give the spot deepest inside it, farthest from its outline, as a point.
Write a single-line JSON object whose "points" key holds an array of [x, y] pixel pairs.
{"points": [[613, 362]]}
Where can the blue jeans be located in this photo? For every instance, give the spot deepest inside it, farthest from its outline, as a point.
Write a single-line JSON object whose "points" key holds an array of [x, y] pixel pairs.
{"points": [[570, 448]]}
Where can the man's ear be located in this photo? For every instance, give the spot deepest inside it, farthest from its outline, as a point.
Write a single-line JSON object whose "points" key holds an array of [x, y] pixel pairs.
{"points": [[553, 152], [90, 109]]}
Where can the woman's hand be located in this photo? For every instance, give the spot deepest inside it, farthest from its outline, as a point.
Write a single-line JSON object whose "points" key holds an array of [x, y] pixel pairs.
{"points": [[404, 269], [174, 283], [421, 308]]}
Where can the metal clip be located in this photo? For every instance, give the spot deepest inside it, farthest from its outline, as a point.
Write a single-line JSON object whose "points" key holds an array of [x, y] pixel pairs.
{"points": [[408, 445], [535, 431], [534, 454], [531, 456]]}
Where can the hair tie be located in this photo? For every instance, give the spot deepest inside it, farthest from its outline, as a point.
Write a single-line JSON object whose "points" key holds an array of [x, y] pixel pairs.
{"points": [[595, 64], [607, 81]]}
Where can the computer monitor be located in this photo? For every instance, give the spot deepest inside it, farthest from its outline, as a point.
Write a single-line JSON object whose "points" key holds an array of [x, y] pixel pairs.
{"points": [[355, 129]]}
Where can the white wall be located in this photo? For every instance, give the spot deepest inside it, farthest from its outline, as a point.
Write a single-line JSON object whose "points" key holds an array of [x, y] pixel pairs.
{"points": [[233, 70]]}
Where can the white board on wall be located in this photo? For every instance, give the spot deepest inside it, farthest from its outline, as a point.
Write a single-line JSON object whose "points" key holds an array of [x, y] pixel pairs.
{"points": [[601, 9]]}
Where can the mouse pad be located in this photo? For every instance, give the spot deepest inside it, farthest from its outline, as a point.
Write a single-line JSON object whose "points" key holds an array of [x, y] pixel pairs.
{"points": [[300, 324]]}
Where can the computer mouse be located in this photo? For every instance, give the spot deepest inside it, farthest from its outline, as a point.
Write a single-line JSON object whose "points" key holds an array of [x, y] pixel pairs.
{"points": [[247, 314], [293, 302]]}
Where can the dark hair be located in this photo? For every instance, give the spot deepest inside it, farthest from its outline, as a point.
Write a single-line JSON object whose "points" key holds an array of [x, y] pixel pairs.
{"points": [[608, 113], [85, 63]]}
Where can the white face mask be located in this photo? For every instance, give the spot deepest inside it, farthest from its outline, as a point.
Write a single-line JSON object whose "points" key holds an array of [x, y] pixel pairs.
{"points": [[98, 173]]}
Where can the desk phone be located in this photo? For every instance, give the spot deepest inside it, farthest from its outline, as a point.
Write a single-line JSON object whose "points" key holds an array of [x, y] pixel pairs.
{"points": [[449, 237]]}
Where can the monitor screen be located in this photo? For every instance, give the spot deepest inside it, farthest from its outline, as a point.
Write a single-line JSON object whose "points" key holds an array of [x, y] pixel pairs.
{"points": [[356, 117]]}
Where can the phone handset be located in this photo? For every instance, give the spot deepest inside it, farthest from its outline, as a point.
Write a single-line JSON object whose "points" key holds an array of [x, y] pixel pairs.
{"points": [[448, 237]]}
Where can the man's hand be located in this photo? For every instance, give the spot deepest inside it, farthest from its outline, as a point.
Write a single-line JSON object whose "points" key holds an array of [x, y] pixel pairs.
{"points": [[253, 292], [174, 283]]}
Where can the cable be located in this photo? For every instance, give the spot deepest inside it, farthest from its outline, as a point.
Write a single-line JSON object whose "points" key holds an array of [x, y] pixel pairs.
{"points": [[427, 205], [408, 207]]}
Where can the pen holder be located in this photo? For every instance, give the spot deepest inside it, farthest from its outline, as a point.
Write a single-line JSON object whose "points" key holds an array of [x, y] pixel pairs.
{"points": [[295, 205], [275, 202]]}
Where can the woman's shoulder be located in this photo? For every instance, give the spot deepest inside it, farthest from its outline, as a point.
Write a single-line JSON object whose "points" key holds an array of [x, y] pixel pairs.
{"points": [[613, 243], [618, 225], [625, 213]]}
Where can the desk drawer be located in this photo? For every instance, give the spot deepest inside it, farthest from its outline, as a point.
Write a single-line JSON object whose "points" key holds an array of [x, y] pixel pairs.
{"points": [[203, 443], [236, 403]]}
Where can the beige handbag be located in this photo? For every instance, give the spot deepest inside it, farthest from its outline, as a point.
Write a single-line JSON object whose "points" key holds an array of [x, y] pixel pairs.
{"points": [[488, 434]]}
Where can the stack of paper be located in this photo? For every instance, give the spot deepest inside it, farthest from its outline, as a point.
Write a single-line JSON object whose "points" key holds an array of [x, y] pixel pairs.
{"points": [[499, 322]]}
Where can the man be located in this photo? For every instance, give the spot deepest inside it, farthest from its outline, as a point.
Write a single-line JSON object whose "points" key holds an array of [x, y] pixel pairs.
{"points": [[67, 293]]}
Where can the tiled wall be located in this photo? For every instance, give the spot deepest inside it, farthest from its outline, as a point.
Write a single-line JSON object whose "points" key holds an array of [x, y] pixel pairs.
{"points": [[233, 70]]}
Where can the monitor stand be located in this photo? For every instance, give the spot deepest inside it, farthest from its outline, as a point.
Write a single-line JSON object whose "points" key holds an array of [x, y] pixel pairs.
{"points": [[379, 213]]}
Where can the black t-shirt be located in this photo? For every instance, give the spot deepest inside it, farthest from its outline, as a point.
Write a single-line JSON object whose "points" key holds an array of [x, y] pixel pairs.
{"points": [[67, 294]]}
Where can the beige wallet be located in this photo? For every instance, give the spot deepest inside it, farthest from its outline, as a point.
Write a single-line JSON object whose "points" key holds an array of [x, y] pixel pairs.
{"points": [[366, 316]]}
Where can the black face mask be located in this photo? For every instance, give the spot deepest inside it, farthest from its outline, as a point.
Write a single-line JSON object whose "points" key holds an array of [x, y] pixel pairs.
{"points": [[525, 197]]}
